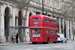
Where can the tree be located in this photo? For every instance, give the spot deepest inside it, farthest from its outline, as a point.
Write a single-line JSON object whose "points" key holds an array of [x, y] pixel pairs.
{"points": [[69, 12]]}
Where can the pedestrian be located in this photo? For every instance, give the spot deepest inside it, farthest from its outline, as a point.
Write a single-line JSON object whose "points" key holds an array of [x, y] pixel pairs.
{"points": [[16, 37], [12, 39]]}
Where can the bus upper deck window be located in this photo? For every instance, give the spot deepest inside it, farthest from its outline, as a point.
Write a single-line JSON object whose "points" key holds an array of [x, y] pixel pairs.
{"points": [[35, 18], [44, 19], [47, 19]]}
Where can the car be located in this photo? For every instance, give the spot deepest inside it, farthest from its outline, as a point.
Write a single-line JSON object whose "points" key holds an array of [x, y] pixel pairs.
{"points": [[61, 38]]}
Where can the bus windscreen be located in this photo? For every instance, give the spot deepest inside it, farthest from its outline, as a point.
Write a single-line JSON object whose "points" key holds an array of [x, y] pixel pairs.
{"points": [[37, 30]]}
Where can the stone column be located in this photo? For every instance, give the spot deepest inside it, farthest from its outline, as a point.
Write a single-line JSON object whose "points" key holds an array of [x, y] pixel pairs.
{"points": [[13, 16], [27, 38], [23, 34], [12, 23], [63, 25], [51, 2], [13, 19], [0, 23], [67, 29], [59, 25], [10, 29], [2, 37], [71, 33]]}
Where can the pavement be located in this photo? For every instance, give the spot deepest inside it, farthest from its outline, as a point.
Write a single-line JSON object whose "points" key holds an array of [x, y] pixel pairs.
{"points": [[25, 43], [10, 44]]}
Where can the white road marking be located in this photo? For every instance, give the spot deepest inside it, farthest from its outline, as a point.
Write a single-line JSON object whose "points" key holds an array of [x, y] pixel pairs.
{"points": [[28, 49]]}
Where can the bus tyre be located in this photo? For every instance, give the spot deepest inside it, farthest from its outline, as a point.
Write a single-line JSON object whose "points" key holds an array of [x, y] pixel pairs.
{"points": [[44, 42], [55, 41], [34, 42], [58, 41]]}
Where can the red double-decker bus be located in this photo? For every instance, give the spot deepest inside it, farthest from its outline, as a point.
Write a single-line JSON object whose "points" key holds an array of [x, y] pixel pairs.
{"points": [[43, 29]]}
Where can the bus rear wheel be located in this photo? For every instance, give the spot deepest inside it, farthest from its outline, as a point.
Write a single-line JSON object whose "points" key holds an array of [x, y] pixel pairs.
{"points": [[34, 42], [55, 41]]}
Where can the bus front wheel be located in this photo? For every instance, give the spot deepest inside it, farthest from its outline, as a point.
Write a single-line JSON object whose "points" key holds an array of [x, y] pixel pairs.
{"points": [[34, 42]]}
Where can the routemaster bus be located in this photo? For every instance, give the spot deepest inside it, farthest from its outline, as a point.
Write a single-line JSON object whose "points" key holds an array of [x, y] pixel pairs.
{"points": [[43, 29]]}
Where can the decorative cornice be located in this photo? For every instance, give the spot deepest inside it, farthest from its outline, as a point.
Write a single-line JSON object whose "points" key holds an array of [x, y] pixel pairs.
{"points": [[5, 2]]}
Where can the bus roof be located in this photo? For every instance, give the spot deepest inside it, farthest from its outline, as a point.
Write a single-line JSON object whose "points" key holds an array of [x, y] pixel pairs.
{"points": [[44, 16]]}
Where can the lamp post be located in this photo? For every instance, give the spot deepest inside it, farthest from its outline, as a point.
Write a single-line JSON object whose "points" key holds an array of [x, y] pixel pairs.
{"points": [[42, 7]]}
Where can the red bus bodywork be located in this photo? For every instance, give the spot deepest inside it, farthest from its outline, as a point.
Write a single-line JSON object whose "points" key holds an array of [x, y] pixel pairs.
{"points": [[42, 28]]}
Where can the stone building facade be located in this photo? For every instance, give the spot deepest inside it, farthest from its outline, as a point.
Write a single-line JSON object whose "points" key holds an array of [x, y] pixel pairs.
{"points": [[13, 15]]}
